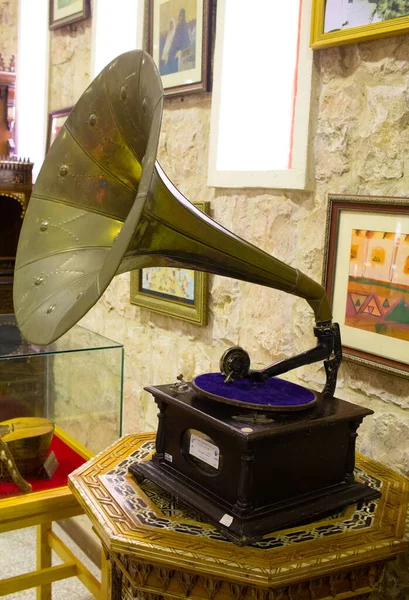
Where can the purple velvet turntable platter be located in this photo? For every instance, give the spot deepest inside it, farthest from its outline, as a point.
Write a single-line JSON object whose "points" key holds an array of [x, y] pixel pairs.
{"points": [[272, 394]]}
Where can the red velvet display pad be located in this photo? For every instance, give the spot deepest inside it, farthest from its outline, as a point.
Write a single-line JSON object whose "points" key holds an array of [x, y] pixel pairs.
{"points": [[68, 461]]}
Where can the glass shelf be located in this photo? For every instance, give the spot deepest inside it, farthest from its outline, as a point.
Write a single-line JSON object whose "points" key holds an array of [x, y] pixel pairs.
{"points": [[77, 382]]}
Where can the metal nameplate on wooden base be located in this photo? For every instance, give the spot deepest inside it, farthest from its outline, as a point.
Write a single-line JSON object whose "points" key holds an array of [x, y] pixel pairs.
{"points": [[251, 473]]}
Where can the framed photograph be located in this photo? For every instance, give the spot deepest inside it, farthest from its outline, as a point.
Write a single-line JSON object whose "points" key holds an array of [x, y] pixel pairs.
{"points": [[179, 293], [179, 41], [336, 22], [366, 276], [56, 120], [66, 12]]}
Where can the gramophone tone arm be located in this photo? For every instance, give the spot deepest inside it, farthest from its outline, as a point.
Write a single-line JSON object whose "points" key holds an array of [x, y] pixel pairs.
{"points": [[235, 362], [322, 351], [328, 348]]}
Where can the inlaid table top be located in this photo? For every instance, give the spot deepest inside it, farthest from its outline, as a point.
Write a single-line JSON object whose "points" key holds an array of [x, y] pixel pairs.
{"points": [[145, 522]]}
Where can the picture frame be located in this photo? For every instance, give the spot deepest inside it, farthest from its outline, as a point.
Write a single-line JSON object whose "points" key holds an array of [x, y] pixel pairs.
{"points": [[156, 289], [337, 22], [56, 120], [67, 12], [179, 33], [366, 277]]}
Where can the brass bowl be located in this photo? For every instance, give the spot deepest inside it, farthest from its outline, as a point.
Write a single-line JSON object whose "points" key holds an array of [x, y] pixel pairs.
{"points": [[29, 444]]}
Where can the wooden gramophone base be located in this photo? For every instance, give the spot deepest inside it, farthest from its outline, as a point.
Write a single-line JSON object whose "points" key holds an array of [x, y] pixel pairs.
{"points": [[244, 530], [251, 474]]}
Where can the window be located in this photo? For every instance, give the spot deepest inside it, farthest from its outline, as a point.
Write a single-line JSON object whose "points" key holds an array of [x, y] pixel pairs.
{"points": [[32, 81], [117, 28], [261, 95]]}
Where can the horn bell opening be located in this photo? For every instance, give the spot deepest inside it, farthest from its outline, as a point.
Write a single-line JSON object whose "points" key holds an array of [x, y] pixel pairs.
{"points": [[88, 198]]}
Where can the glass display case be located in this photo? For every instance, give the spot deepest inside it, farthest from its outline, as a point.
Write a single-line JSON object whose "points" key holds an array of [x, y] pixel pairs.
{"points": [[76, 382]]}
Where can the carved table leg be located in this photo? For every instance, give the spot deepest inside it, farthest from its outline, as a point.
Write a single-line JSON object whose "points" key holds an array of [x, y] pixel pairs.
{"points": [[106, 569]]}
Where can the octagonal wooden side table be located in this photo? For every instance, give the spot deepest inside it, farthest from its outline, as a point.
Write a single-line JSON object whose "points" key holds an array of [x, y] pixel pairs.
{"points": [[160, 549]]}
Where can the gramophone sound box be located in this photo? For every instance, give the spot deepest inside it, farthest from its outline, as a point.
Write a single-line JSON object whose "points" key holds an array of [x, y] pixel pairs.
{"points": [[252, 451]]}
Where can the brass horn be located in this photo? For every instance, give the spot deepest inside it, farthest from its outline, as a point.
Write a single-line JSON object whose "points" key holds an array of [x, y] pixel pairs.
{"points": [[102, 205]]}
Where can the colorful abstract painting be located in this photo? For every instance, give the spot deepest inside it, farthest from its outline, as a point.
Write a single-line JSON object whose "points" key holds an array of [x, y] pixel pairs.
{"points": [[378, 283]]}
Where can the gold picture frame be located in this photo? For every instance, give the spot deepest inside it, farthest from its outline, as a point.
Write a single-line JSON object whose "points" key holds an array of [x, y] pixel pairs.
{"points": [[191, 305], [366, 277], [385, 18]]}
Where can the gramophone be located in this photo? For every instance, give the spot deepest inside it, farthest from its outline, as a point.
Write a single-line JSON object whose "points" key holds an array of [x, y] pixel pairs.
{"points": [[251, 451]]}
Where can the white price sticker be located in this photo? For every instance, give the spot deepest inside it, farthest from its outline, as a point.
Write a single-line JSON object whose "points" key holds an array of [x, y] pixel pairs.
{"points": [[168, 457], [206, 451], [226, 520]]}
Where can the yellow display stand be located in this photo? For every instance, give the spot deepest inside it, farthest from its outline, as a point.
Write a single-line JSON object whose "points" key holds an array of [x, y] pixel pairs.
{"points": [[160, 549], [41, 509]]}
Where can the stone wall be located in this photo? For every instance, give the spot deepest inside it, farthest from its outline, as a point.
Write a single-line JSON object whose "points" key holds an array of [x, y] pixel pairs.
{"points": [[8, 28], [70, 64], [361, 147]]}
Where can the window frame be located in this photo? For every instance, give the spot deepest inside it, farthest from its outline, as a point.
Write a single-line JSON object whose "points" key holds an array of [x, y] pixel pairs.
{"points": [[32, 73], [101, 32], [297, 176]]}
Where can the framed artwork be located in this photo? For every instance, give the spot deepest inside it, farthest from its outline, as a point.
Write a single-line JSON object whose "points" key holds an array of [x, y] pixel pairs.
{"points": [[179, 41], [56, 120], [66, 12], [366, 276], [336, 22], [179, 293]]}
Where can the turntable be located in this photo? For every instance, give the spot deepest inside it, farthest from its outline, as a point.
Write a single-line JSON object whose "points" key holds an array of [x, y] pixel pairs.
{"points": [[252, 451]]}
